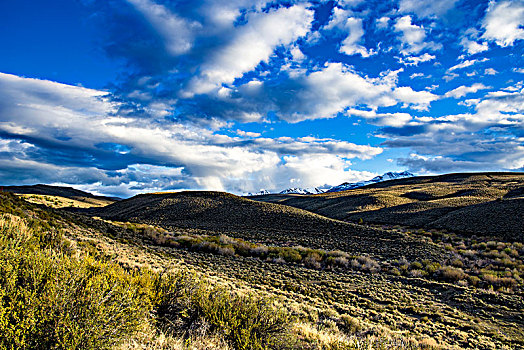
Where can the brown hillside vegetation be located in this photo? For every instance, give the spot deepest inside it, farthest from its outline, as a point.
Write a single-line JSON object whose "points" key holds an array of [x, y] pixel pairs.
{"points": [[217, 212], [59, 197], [486, 204], [265, 275]]}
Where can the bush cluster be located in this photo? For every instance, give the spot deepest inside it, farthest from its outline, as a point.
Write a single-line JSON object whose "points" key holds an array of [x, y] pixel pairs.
{"points": [[225, 245], [52, 299]]}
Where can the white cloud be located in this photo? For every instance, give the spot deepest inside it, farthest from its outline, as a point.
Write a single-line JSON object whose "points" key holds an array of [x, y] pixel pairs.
{"points": [[333, 88], [413, 37], [247, 133], [473, 47], [350, 45], [382, 119], [343, 21], [252, 43], [415, 60], [422, 9], [490, 71], [416, 75], [462, 91], [306, 171], [222, 14], [465, 64], [503, 22], [483, 140], [336, 87], [177, 32], [419, 100], [156, 156], [383, 22]]}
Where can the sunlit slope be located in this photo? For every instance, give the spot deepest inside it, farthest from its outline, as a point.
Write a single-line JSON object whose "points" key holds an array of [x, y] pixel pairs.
{"points": [[482, 204], [59, 196]]}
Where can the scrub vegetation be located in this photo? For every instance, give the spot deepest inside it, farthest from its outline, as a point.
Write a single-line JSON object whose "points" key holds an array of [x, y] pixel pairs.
{"points": [[209, 270]]}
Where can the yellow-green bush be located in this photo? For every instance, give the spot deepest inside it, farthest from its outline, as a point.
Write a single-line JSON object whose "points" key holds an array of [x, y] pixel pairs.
{"points": [[247, 322], [50, 300]]}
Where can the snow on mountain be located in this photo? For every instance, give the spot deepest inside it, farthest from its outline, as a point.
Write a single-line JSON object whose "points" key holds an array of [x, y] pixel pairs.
{"points": [[259, 193], [298, 190], [387, 176], [342, 187]]}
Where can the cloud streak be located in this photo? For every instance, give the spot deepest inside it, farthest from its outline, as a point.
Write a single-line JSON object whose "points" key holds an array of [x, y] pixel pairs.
{"points": [[109, 149]]}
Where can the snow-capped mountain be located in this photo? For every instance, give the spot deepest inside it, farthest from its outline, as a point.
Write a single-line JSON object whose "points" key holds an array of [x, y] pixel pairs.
{"points": [[387, 176], [298, 190], [342, 187], [259, 193]]}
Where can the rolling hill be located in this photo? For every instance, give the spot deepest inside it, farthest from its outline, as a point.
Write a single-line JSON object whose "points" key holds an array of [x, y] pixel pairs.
{"points": [[469, 203], [218, 212], [59, 196], [345, 283]]}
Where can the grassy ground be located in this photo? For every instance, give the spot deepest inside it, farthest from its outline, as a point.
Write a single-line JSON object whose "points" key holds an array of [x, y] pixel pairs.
{"points": [[449, 289], [64, 202], [338, 285]]}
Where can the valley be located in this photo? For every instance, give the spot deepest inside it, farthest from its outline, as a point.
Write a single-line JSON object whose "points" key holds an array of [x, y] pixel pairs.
{"points": [[377, 267]]}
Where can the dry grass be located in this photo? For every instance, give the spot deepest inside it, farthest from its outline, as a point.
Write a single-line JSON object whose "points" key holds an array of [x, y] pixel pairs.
{"points": [[468, 203], [63, 202], [336, 307]]}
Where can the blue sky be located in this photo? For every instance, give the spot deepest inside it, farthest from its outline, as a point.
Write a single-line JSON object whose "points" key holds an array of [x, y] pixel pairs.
{"points": [[126, 96]]}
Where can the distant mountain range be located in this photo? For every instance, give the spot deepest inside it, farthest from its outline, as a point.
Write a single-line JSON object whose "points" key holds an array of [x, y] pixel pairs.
{"points": [[342, 187], [298, 190], [387, 176]]}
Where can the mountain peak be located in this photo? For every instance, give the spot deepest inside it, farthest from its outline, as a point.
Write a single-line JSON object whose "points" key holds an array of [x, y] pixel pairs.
{"points": [[298, 190], [385, 177]]}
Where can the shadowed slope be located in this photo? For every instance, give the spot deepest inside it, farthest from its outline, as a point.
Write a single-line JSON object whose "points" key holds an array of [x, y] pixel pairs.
{"points": [[216, 212], [482, 204]]}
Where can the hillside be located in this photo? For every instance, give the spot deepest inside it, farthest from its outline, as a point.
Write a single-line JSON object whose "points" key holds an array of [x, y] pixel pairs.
{"points": [[217, 212], [468, 203], [334, 284], [59, 196]]}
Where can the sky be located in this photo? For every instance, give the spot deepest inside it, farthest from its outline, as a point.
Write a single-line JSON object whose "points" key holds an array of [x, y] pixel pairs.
{"points": [[120, 97]]}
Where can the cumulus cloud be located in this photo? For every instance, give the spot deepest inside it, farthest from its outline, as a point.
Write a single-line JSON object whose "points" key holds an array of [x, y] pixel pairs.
{"points": [[415, 60], [419, 100], [462, 91], [473, 47], [305, 171], [503, 22], [382, 119], [87, 141], [252, 43], [486, 139], [413, 37], [465, 64], [176, 31], [353, 28], [335, 87]]}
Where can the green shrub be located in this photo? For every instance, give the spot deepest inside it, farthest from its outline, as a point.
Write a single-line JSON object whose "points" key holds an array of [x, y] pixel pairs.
{"points": [[452, 274], [457, 263], [415, 266], [432, 267], [289, 254], [349, 324], [49, 299], [248, 322]]}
